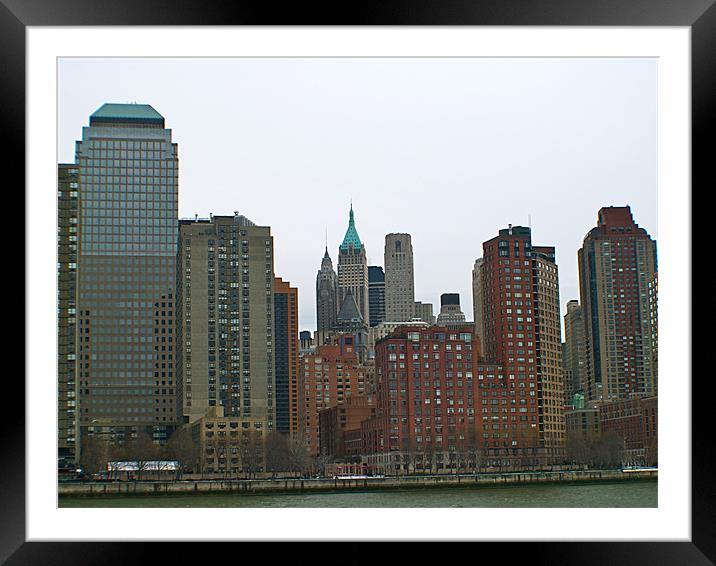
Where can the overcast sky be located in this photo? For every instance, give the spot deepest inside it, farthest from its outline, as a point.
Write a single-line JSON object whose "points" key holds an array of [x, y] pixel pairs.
{"points": [[449, 150]]}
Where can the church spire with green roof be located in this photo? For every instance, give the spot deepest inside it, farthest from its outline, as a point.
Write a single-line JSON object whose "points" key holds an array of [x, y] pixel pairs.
{"points": [[351, 238]]}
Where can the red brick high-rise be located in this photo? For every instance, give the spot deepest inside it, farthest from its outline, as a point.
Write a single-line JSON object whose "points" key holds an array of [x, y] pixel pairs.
{"points": [[427, 398], [522, 332], [327, 378]]}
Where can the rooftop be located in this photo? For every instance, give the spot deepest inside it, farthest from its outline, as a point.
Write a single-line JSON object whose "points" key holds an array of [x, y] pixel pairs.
{"points": [[133, 113], [351, 238]]}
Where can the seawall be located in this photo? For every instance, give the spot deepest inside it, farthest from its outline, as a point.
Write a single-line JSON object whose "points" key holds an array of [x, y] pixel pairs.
{"points": [[297, 485]]}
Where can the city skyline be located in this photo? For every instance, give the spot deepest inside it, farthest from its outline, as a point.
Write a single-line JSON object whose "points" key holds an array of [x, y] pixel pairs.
{"points": [[221, 303], [322, 188]]}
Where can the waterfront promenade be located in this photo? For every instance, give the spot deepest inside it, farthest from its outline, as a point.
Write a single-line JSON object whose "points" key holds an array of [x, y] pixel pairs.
{"points": [[301, 485]]}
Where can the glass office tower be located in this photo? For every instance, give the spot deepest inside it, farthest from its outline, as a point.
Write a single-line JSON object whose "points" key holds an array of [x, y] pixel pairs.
{"points": [[126, 273]]}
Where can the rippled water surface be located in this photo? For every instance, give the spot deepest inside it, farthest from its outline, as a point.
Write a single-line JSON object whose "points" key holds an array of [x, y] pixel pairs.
{"points": [[642, 493]]}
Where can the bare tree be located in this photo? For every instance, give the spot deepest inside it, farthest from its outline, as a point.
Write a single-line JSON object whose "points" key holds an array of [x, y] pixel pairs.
{"points": [[142, 451], [299, 458], [320, 462], [652, 454], [94, 455], [251, 451], [578, 448], [182, 449], [221, 446], [472, 448], [276, 450]]}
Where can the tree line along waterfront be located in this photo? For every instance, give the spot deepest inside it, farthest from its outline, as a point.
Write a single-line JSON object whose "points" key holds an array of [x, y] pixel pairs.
{"points": [[274, 455]]}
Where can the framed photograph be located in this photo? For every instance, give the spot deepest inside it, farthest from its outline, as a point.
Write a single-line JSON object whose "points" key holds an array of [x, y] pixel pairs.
{"points": [[47, 45]]}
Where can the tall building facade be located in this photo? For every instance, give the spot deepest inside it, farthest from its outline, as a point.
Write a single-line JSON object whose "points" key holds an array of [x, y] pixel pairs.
{"points": [[654, 323], [424, 312], [545, 278], [68, 188], [575, 352], [326, 298], [376, 294], [450, 312], [523, 333], [227, 319], [617, 263], [126, 276], [286, 349], [353, 270], [478, 299], [399, 278]]}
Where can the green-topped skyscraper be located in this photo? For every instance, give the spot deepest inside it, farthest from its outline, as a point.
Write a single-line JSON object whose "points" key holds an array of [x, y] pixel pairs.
{"points": [[353, 269]]}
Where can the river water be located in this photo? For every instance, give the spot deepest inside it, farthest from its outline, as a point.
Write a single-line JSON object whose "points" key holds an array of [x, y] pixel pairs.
{"points": [[636, 493]]}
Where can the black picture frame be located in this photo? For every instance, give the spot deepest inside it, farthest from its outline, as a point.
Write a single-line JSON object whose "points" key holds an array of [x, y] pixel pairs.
{"points": [[699, 15]]}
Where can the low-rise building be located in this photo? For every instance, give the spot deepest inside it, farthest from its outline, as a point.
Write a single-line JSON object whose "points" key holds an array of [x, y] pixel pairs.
{"points": [[635, 420], [228, 446], [339, 427], [327, 378]]}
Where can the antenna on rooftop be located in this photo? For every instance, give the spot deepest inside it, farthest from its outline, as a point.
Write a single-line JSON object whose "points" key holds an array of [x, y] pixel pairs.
{"points": [[529, 221]]}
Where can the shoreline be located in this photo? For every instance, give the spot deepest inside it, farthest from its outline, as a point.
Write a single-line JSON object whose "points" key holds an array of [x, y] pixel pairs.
{"points": [[312, 485]]}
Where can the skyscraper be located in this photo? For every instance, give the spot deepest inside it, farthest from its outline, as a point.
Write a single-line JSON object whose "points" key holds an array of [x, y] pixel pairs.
{"points": [[286, 350], [353, 270], [522, 332], [326, 298], [617, 263], [654, 322], [549, 348], [477, 298], [126, 273], [424, 312], [376, 294], [399, 278], [67, 390], [450, 312], [575, 352], [226, 317]]}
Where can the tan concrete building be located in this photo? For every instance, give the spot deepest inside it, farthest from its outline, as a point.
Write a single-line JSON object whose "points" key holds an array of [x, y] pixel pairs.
{"points": [[478, 299], [226, 318], [326, 298], [228, 446], [399, 278], [549, 348], [575, 352], [353, 271], [424, 312]]}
